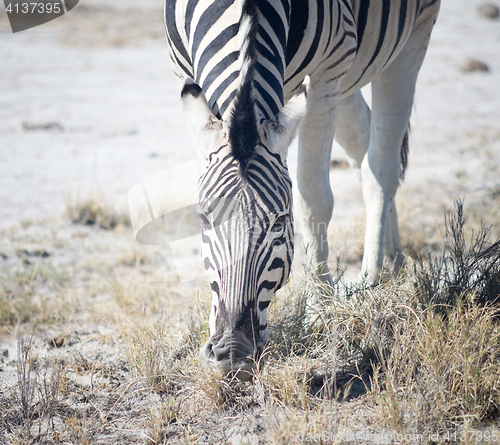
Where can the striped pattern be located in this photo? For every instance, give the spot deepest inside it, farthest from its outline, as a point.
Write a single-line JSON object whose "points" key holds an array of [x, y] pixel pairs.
{"points": [[258, 52], [295, 38], [378, 45], [247, 231]]}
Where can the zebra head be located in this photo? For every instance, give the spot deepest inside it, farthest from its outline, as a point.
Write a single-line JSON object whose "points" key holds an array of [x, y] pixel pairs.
{"points": [[245, 204]]}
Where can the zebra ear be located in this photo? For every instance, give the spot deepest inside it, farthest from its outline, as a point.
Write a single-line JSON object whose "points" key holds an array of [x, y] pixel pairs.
{"points": [[206, 129], [280, 130]]}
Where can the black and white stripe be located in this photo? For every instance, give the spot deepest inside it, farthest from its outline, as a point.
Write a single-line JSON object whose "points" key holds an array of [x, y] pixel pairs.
{"points": [[250, 57], [295, 38], [247, 232]]}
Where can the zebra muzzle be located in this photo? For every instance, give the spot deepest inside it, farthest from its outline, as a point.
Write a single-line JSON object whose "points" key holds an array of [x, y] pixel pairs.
{"points": [[233, 354]]}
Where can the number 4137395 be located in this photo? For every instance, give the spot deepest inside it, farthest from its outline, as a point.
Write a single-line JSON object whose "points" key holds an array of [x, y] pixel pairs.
{"points": [[34, 8]]}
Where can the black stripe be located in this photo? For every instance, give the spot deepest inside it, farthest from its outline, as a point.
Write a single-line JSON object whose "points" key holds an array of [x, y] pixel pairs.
{"points": [[286, 8], [186, 70], [317, 37], [364, 6], [227, 102], [274, 20], [347, 20], [265, 197], [331, 23], [275, 84], [299, 16], [269, 285], [215, 287], [337, 77], [207, 264], [256, 180], [212, 247], [263, 111], [340, 43], [222, 189], [277, 179], [215, 153], [207, 21], [417, 12], [218, 69], [215, 46], [212, 102], [273, 56], [386, 10], [173, 33], [277, 158], [263, 305], [189, 15], [428, 5], [267, 98], [401, 27], [206, 179], [282, 240], [344, 56], [268, 185], [222, 180], [277, 263]]}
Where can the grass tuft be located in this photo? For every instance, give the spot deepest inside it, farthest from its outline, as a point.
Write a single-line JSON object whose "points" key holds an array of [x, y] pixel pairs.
{"points": [[93, 211]]}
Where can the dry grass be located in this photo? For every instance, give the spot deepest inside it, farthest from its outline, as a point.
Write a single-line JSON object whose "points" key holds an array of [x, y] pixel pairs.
{"points": [[442, 371], [21, 303], [93, 210], [415, 356]]}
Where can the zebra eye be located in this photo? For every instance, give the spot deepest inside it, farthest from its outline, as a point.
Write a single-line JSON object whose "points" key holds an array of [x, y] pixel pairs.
{"points": [[205, 223], [279, 224]]}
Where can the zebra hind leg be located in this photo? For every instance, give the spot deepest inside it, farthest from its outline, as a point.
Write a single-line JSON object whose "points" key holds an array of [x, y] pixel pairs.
{"points": [[392, 94], [353, 128], [353, 134]]}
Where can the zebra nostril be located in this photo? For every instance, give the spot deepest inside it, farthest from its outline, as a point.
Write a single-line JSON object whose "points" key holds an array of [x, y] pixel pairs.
{"points": [[221, 352], [207, 352]]}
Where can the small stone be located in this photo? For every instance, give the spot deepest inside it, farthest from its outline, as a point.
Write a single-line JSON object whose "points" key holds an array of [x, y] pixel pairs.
{"points": [[5, 352], [489, 11], [59, 341], [44, 126], [474, 66]]}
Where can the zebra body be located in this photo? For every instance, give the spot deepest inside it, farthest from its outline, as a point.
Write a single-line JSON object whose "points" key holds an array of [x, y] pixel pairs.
{"points": [[249, 59]]}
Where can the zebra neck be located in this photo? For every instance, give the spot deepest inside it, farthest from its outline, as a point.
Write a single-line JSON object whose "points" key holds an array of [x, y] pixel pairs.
{"points": [[217, 34]]}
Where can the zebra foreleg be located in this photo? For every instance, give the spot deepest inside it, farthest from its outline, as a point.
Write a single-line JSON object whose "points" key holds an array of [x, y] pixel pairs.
{"points": [[313, 176]]}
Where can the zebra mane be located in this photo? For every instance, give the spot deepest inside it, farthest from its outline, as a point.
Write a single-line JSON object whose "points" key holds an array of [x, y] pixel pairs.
{"points": [[243, 131]]}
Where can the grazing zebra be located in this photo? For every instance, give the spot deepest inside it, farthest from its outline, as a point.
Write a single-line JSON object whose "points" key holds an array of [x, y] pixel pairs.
{"points": [[251, 72]]}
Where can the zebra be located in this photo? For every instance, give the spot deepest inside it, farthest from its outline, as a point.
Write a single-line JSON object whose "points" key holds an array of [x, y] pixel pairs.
{"points": [[252, 74]]}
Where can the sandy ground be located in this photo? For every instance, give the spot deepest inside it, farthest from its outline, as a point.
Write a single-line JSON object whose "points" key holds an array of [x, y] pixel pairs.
{"points": [[101, 77], [88, 104], [104, 78]]}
